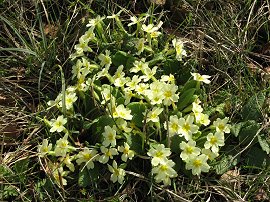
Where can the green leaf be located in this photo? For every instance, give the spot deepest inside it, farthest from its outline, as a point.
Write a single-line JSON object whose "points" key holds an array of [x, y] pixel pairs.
{"points": [[120, 58], [252, 110], [137, 110], [87, 124], [175, 143], [157, 58], [225, 164], [257, 157], [186, 98], [179, 164], [9, 191], [235, 129], [220, 109], [21, 168], [173, 66], [136, 142], [248, 132], [264, 143], [189, 85], [88, 176], [84, 179], [130, 61], [103, 121], [98, 127]]}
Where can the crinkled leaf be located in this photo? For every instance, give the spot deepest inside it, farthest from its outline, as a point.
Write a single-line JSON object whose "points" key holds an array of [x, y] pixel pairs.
{"points": [[252, 110], [170, 66], [189, 85], [220, 109], [8, 191], [225, 164], [264, 143], [136, 142], [248, 131], [186, 98], [88, 176], [257, 157], [130, 61], [120, 58], [157, 58], [98, 127], [175, 142], [235, 128], [20, 168], [137, 110]]}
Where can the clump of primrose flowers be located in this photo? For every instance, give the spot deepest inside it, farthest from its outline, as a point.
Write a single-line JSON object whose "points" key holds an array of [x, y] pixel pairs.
{"points": [[124, 74]]}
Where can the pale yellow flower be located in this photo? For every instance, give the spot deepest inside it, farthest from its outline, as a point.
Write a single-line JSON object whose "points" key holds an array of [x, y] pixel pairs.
{"points": [[62, 146], [187, 128], [44, 149], [105, 60], [189, 149], [67, 160], [122, 112], [179, 48], [197, 164], [214, 141], [222, 125], [140, 46], [159, 154], [107, 153], [118, 174], [58, 124], [88, 157], [127, 152], [109, 135], [201, 78], [153, 115], [164, 172]]}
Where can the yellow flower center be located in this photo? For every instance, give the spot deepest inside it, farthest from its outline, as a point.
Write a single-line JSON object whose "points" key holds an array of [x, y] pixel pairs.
{"points": [[58, 124], [111, 136], [126, 150], [168, 94], [121, 114], [189, 150], [108, 153], [153, 116], [221, 127], [179, 50], [87, 156], [200, 78], [159, 154], [197, 163], [45, 149], [69, 100], [116, 171], [186, 127], [64, 144], [213, 140], [175, 126], [163, 168], [107, 60]]}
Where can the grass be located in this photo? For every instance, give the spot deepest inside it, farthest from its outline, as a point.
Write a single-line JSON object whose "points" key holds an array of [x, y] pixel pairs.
{"points": [[227, 40]]}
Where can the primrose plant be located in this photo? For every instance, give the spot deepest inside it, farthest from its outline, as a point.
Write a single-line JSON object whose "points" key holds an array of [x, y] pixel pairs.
{"points": [[125, 105]]}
